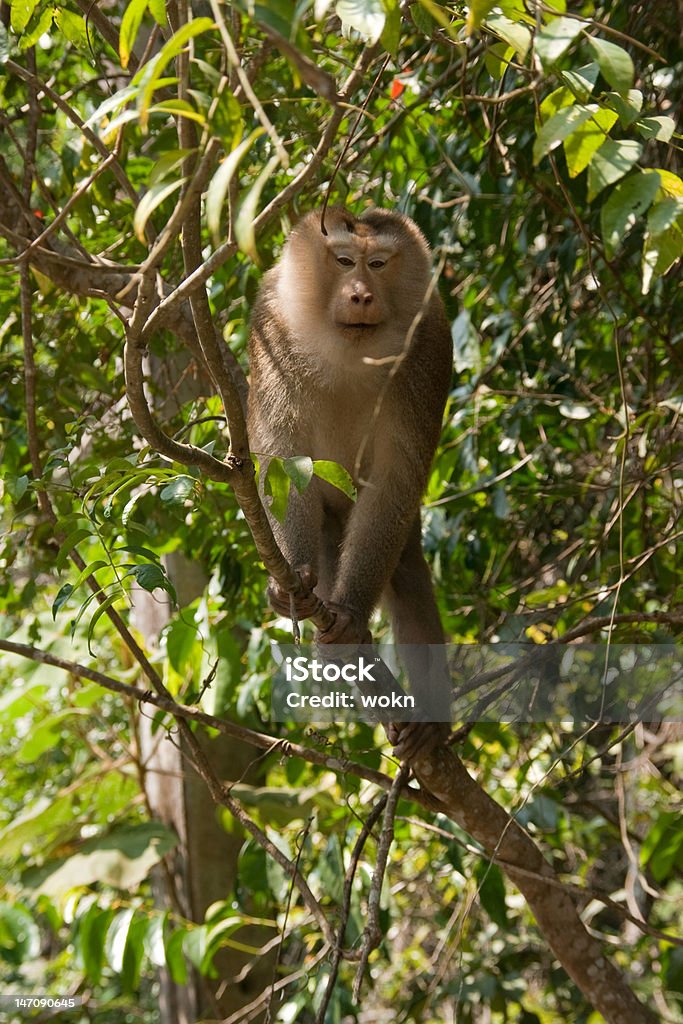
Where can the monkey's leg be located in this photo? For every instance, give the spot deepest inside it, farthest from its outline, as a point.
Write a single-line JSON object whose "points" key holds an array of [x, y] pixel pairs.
{"points": [[410, 602], [299, 538]]}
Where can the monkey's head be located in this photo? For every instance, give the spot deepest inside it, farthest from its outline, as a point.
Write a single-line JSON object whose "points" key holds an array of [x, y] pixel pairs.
{"points": [[351, 294]]}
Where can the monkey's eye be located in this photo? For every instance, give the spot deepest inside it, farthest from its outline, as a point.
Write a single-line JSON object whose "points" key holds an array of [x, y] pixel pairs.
{"points": [[377, 264], [345, 261]]}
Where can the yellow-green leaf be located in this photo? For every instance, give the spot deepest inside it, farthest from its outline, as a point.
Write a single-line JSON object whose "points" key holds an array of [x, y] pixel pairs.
{"points": [[218, 187], [581, 145], [149, 202], [244, 225]]}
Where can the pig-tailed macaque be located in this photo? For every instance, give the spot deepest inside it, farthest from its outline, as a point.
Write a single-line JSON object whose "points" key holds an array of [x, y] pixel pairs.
{"points": [[351, 356]]}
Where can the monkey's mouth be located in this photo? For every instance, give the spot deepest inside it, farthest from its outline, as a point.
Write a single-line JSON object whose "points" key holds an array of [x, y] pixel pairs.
{"points": [[358, 327]]}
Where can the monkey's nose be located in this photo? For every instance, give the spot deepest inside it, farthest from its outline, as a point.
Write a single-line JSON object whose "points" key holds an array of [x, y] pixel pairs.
{"points": [[362, 298]]}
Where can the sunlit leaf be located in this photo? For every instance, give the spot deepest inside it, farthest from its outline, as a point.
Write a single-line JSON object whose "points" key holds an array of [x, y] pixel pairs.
{"points": [[664, 239], [20, 14], [367, 17], [276, 485], [477, 12], [629, 201], [580, 146], [613, 160], [660, 128], [512, 32], [336, 475], [244, 224], [154, 197], [627, 107], [581, 80], [130, 25], [148, 78], [219, 184], [555, 38], [179, 108], [615, 63], [300, 471], [557, 128]]}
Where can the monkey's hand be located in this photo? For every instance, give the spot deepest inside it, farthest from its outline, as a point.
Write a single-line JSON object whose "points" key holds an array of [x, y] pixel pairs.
{"points": [[282, 602], [416, 739], [347, 628]]}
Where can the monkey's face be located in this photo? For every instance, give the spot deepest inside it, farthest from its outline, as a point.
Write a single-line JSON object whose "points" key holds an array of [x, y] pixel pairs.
{"points": [[349, 296]]}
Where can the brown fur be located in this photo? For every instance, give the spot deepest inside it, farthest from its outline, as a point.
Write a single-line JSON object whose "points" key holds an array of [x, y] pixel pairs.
{"points": [[353, 364]]}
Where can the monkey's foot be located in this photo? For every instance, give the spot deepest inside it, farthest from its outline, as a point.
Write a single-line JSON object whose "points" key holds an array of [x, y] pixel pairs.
{"points": [[347, 628], [282, 602], [416, 739]]}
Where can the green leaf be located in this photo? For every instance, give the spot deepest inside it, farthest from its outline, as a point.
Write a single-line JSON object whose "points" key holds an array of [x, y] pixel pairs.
{"points": [[155, 939], [613, 160], [179, 108], [68, 545], [19, 936], [37, 28], [130, 25], [664, 239], [336, 475], [90, 939], [5, 45], [21, 11], [391, 34], [244, 224], [62, 597], [177, 491], [555, 39], [175, 958], [154, 197], [181, 640], [580, 146], [18, 487], [627, 107], [659, 128], [662, 848], [276, 485], [72, 27], [157, 9], [117, 935], [151, 577], [299, 469], [112, 103], [90, 569], [43, 737], [512, 32], [166, 164], [149, 77], [626, 204], [477, 13], [615, 64], [581, 80], [559, 127], [218, 187], [491, 890], [226, 119], [121, 857], [367, 17], [101, 610], [554, 101], [422, 19]]}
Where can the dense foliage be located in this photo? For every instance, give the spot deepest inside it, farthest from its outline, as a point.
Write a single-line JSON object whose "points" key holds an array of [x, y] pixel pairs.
{"points": [[537, 149]]}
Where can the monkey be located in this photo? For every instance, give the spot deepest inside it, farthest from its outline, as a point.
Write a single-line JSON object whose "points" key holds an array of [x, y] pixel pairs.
{"points": [[350, 360]]}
